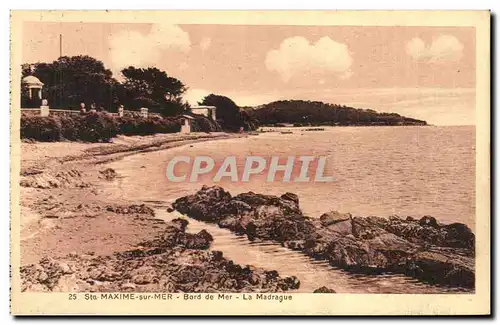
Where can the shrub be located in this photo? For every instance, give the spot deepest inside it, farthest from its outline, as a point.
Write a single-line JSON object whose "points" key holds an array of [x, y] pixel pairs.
{"points": [[101, 127], [71, 127], [41, 128], [129, 125], [93, 127], [203, 124], [96, 127]]}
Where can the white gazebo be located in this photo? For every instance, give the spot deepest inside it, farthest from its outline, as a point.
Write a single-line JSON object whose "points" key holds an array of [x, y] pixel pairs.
{"points": [[34, 86]]}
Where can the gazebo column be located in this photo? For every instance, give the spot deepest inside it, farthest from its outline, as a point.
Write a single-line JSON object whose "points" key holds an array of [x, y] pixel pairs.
{"points": [[35, 92]]}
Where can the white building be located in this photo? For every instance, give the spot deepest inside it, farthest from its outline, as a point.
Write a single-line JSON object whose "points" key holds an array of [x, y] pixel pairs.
{"points": [[186, 123], [208, 111]]}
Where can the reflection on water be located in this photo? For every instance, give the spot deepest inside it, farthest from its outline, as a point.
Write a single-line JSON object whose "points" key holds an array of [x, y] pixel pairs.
{"points": [[378, 171]]}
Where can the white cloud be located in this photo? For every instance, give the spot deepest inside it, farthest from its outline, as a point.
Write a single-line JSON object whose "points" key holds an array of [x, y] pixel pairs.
{"points": [[443, 48], [205, 43], [296, 57], [142, 50]]}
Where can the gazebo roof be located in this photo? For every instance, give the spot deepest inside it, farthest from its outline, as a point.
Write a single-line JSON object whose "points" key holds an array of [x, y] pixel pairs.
{"points": [[32, 81]]}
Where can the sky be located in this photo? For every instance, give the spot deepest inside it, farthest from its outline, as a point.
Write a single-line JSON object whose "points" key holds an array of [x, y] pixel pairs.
{"points": [[422, 72]]}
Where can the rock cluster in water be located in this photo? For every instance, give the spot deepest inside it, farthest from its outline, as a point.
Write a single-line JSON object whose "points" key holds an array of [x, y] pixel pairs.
{"points": [[421, 248], [175, 261]]}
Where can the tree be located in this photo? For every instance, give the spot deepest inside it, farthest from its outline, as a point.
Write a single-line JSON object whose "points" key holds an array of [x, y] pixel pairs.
{"points": [[69, 81], [154, 89], [26, 69]]}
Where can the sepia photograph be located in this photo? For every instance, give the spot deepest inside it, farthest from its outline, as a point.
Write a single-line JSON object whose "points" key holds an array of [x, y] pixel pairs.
{"points": [[249, 160]]}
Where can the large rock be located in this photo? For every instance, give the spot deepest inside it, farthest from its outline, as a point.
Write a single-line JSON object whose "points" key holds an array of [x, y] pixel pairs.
{"points": [[201, 240], [291, 197], [343, 227], [205, 205], [425, 248], [458, 235], [237, 224], [442, 268], [287, 203], [132, 209], [175, 235], [427, 231], [334, 217]]}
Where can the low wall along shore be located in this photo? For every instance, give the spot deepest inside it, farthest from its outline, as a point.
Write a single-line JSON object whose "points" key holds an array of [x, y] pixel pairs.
{"points": [[59, 112], [101, 126]]}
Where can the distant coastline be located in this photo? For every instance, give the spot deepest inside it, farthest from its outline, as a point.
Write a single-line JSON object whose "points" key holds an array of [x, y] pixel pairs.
{"points": [[316, 113]]}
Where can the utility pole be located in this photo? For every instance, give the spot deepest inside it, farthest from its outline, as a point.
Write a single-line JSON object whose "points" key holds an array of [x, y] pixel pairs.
{"points": [[60, 45]]}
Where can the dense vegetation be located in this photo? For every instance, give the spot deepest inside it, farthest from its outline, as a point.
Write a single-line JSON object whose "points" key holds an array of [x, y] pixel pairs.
{"points": [[90, 127], [300, 112], [231, 117], [101, 127], [70, 81], [154, 89]]}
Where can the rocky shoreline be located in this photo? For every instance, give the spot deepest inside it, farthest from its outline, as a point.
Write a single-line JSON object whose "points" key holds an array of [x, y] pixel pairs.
{"points": [[175, 261], [421, 248]]}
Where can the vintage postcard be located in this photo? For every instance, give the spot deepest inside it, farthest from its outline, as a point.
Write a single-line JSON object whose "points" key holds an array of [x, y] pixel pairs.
{"points": [[250, 163]]}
